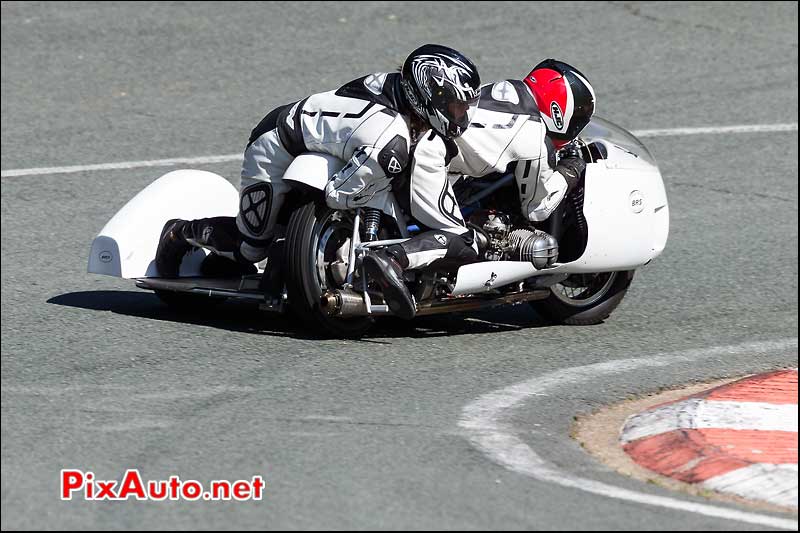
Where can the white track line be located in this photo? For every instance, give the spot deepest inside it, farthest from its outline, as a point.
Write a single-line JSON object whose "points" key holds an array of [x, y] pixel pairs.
{"points": [[741, 128], [486, 426], [204, 160]]}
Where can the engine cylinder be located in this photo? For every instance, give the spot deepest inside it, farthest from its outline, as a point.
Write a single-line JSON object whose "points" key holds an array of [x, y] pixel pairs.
{"points": [[536, 247]]}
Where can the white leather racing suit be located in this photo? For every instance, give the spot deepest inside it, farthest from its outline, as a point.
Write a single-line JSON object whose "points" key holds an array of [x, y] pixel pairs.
{"points": [[507, 128], [434, 207], [360, 123]]}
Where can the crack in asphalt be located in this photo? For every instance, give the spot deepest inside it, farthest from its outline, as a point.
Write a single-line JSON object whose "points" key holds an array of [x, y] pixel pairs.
{"points": [[637, 12]]}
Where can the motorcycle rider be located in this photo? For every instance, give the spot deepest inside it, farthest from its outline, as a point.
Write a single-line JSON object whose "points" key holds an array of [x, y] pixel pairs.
{"points": [[528, 128], [374, 123], [517, 123]]}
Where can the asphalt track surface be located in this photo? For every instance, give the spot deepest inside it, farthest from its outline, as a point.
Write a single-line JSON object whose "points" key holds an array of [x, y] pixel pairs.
{"points": [[100, 376]]}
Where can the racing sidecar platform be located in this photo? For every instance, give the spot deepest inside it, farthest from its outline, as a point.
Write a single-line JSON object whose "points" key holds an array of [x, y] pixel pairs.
{"points": [[243, 288]]}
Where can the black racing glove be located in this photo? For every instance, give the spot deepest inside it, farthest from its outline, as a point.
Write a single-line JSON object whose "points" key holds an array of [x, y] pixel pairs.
{"points": [[571, 165], [569, 150]]}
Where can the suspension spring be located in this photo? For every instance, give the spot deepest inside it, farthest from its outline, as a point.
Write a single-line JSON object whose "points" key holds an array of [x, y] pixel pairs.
{"points": [[372, 223]]}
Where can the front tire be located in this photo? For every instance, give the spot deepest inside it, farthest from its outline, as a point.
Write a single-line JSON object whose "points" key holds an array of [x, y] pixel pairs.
{"points": [[584, 299], [314, 234]]}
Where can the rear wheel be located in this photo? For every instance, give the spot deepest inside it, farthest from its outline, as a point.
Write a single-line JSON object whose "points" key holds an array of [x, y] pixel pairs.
{"points": [[315, 240], [584, 299]]}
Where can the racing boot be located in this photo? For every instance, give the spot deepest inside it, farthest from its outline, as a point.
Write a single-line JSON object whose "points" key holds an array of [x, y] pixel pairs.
{"points": [[217, 234], [171, 248], [384, 268]]}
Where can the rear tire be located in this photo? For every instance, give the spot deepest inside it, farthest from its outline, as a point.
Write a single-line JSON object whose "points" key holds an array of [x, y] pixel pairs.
{"points": [[584, 299], [313, 232]]}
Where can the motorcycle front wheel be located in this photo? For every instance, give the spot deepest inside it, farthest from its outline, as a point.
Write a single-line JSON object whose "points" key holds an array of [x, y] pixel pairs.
{"points": [[584, 299], [313, 265]]}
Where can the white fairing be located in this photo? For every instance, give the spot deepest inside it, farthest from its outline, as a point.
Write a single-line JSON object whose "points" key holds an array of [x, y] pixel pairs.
{"points": [[626, 212], [126, 246], [315, 169]]}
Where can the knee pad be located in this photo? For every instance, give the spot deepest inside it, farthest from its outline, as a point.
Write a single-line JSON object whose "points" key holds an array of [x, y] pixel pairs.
{"points": [[255, 203]]}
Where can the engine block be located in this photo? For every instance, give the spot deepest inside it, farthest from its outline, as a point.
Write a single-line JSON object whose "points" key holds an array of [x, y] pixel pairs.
{"points": [[536, 247], [506, 243]]}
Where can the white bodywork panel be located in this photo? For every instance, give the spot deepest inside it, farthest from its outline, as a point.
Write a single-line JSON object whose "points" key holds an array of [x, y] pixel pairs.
{"points": [[315, 169], [627, 216], [126, 246]]}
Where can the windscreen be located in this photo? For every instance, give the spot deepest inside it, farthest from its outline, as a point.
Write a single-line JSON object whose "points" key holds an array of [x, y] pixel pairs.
{"points": [[602, 129]]}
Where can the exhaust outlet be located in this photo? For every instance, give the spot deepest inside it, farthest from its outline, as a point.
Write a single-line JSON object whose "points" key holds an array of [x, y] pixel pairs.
{"points": [[343, 303]]}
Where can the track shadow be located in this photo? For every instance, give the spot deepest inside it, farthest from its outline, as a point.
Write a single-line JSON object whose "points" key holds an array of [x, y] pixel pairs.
{"points": [[245, 317]]}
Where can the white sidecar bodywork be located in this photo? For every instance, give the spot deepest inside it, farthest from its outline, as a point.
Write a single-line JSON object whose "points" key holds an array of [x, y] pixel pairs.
{"points": [[626, 211], [126, 246]]}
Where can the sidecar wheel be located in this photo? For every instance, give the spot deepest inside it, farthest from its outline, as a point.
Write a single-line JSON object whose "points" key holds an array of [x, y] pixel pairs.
{"points": [[584, 299], [314, 234]]}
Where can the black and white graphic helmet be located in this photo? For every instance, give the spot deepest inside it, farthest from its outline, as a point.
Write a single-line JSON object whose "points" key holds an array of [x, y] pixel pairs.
{"points": [[442, 86]]}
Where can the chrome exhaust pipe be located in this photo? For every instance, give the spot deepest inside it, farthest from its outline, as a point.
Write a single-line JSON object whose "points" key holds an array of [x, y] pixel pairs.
{"points": [[470, 303], [348, 303], [343, 303]]}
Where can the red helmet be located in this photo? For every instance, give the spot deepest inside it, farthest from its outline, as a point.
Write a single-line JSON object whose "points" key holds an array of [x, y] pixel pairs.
{"points": [[565, 99]]}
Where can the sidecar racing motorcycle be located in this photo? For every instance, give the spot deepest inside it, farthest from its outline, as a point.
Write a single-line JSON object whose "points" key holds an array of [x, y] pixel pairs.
{"points": [[615, 221]]}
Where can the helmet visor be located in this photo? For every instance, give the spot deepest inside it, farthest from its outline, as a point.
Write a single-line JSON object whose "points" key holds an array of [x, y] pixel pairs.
{"points": [[459, 114]]}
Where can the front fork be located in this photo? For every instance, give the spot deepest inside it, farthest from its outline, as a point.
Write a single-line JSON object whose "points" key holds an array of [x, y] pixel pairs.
{"points": [[371, 219], [355, 242]]}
